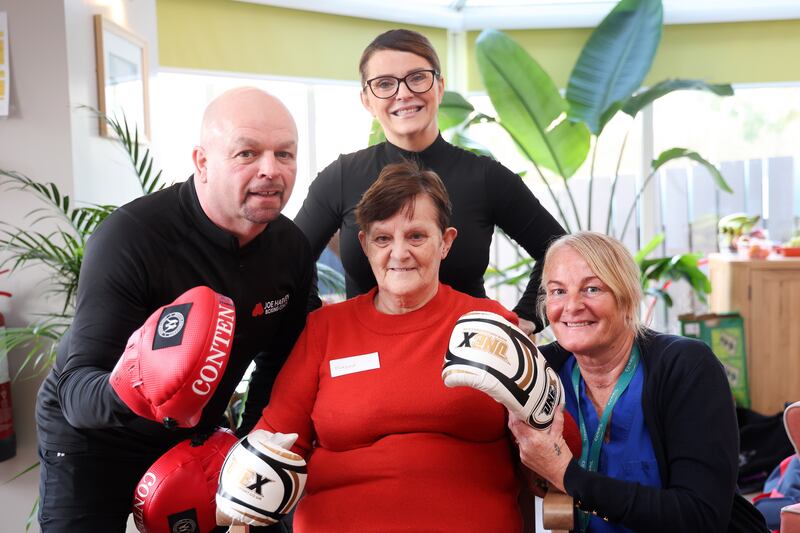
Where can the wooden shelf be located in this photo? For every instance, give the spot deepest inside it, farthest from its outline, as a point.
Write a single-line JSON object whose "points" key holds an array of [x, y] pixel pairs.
{"points": [[766, 293]]}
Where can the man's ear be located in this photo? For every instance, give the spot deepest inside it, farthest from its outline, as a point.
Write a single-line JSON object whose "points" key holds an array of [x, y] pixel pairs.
{"points": [[200, 162], [448, 237]]}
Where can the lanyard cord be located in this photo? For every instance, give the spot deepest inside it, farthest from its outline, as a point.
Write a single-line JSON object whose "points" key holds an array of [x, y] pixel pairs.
{"points": [[590, 455]]}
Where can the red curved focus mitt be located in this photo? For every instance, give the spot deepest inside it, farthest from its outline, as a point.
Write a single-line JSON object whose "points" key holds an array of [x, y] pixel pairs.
{"points": [[173, 364], [177, 493]]}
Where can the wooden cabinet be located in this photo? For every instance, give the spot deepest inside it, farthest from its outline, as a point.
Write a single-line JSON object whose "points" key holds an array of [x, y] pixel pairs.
{"points": [[767, 295]]}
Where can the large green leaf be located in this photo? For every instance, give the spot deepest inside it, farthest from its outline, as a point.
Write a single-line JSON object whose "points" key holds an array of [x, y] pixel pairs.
{"points": [[677, 153], [678, 267], [462, 140], [529, 105], [614, 61], [453, 110], [644, 98], [376, 134], [648, 248]]}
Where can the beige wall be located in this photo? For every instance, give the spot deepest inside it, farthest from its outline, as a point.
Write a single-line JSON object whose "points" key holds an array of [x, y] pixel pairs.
{"points": [[52, 67], [35, 140]]}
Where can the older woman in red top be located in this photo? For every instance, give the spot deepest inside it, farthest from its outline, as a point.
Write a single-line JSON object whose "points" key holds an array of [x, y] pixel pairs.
{"points": [[388, 446]]}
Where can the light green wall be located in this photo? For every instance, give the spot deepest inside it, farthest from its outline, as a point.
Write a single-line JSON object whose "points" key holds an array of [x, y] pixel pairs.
{"points": [[223, 35], [742, 52]]}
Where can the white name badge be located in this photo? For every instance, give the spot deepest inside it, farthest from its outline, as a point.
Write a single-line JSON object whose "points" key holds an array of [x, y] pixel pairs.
{"points": [[353, 364]]}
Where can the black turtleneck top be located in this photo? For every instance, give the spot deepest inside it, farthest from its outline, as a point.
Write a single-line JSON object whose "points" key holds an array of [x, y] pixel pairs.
{"points": [[483, 192], [143, 256]]}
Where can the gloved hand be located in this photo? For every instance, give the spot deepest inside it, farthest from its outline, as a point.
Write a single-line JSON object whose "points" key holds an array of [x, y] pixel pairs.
{"points": [[178, 490], [261, 480], [173, 364], [489, 353]]}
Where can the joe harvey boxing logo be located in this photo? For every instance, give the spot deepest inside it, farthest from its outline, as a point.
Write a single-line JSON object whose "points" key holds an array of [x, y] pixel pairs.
{"points": [[271, 306]]}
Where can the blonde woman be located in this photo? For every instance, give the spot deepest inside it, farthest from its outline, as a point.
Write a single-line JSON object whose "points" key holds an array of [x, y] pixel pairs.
{"points": [[657, 419]]}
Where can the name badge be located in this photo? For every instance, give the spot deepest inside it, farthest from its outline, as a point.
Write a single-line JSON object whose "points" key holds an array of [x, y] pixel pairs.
{"points": [[355, 363]]}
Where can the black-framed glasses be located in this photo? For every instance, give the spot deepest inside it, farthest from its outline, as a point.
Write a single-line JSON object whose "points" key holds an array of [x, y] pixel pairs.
{"points": [[418, 82]]}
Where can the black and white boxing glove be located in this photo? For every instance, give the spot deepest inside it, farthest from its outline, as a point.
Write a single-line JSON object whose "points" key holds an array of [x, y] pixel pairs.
{"points": [[489, 353], [261, 480]]}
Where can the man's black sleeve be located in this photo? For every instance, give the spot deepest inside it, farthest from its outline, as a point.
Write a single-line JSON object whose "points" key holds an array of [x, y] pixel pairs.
{"points": [[109, 308]]}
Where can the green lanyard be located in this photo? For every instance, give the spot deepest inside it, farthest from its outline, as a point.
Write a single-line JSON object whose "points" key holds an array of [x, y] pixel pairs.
{"points": [[590, 455]]}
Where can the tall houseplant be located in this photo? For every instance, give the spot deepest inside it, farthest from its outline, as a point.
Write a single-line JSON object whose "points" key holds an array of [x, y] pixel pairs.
{"points": [[60, 250], [558, 133]]}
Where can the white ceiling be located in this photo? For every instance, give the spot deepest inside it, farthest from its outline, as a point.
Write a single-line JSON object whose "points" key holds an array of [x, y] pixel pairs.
{"points": [[528, 14]]}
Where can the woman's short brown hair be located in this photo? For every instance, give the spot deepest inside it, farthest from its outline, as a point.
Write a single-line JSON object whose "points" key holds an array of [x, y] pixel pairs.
{"points": [[401, 40], [396, 189], [612, 263]]}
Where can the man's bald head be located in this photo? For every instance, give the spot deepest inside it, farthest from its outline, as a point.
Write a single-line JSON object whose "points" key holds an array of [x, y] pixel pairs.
{"points": [[230, 107], [246, 163]]}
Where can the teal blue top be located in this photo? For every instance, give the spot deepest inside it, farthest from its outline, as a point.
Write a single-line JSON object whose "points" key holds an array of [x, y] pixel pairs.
{"points": [[628, 454]]}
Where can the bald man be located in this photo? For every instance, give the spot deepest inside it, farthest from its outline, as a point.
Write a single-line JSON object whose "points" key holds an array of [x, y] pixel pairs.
{"points": [[222, 228]]}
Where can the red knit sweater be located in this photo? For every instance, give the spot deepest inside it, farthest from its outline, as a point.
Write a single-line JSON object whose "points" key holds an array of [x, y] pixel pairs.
{"points": [[392, 448]]}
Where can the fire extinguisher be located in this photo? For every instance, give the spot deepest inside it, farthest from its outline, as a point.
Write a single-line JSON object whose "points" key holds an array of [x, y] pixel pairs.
{"points": [[8, 440]]}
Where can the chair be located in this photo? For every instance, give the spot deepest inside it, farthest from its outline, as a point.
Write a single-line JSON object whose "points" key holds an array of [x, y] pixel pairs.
{"points": [[557, 511], [790, 519], [790, 515]]}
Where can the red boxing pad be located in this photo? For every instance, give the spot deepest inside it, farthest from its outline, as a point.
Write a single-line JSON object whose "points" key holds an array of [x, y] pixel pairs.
{"points": [[178, 492], [173, 364]]}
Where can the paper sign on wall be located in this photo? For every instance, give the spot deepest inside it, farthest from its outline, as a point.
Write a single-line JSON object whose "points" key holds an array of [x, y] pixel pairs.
{"points": [[5, 82]]}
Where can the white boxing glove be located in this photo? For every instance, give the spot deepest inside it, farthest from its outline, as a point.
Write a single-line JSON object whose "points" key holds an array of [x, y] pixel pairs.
{"points": [[489, 353], [261, 479]]}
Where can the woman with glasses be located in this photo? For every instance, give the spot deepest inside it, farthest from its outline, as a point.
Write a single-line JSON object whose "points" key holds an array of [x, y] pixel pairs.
{"points": [[402, 89]]}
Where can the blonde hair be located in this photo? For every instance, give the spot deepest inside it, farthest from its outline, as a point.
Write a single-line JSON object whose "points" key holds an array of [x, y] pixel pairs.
{"points": [[610, 261]]}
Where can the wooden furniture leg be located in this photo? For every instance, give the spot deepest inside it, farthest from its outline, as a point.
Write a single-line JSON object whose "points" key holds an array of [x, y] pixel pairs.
{"points": [[557, 511]]}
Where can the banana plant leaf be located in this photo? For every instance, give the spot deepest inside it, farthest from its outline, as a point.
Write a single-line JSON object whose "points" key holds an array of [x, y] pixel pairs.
{"points": [[529, 105], [665, 157], [646, 97], [453, 110], [614, 62], [678, 267], [648, 248], [677, 153], [462, 140]]}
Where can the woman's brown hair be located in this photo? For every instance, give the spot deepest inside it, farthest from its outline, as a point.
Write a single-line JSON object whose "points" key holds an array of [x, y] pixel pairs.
{"points": [[396, 188], [401, 40]]}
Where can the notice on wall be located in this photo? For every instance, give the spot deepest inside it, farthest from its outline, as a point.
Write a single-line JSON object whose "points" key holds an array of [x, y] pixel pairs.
{"points": [[5, 83]]}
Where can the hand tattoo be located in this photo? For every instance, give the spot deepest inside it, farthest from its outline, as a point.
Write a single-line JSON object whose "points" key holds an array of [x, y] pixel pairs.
{"points": [[557, 448]]}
